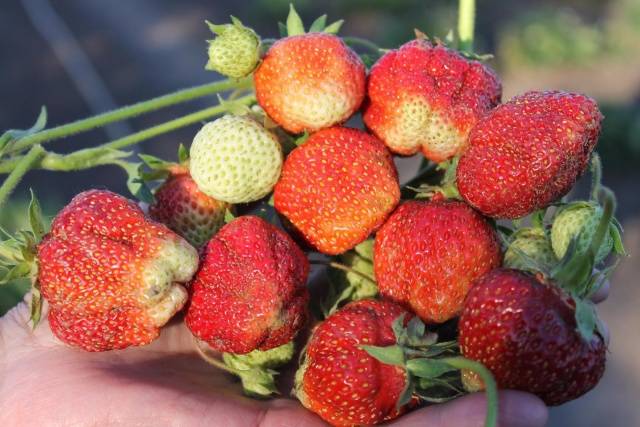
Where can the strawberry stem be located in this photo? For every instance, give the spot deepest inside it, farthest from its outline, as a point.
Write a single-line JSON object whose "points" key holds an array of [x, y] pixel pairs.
{"points": [[212, 360], [343, 267], [357, 41], [466, 24], [120, 114], [86, 158], [489, 383], [22, 166]]}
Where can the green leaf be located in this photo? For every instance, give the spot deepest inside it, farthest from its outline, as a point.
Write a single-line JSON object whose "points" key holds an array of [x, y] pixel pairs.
{"points": [[586, 318], [391, 355], [334, 28], [35, 217], [318, 25], [294, 23], [183, 153], [398, 329], [428, 368]]}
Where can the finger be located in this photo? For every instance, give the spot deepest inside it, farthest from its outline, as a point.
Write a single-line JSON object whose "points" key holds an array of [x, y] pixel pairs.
{"points": [[602, 293], [516, 409]]}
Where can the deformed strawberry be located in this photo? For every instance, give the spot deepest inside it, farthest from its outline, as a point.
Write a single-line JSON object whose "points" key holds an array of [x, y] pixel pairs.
{"points": [[111, 276], [427, 98], [250, 292]]}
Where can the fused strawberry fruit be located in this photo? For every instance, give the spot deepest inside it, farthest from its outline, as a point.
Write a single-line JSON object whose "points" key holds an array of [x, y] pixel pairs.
{"points": [[112, 277], [525, 332], [337, 188], [427, 98], [250, 292], [528, 153], [428, 253], [182, 207], [309, 82], [339, 380]]}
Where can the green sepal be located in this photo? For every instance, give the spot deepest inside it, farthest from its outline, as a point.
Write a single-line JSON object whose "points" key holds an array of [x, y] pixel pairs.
{"points": [[334, 28], [136, 183], [35, 304], [35, 217], [183, 154], [537, 218], [365, 249], [428, 368], [14, 134], [154, 163], [18, 271], [449, 39], [407, 393], [586, 318], [282, 29], [615, 230], [294, 22], [390, 355], [301, 139], [217, 29], [228, 216], [348, 286], [318, 25]]}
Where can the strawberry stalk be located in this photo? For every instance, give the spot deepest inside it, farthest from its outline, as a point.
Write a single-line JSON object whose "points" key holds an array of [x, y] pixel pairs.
{"points": [[466, 24], [123, 113], [24, 165]]}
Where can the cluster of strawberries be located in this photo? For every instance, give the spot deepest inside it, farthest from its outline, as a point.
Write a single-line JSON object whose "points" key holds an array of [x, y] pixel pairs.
{"points": [[113, 277]]}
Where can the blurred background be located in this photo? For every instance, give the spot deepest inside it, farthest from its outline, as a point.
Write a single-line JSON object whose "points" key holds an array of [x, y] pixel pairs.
{"points": [[80, 57]]}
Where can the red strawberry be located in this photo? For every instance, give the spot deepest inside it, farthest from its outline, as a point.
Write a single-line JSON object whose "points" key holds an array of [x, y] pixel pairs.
{"points": [[428, 253], [110, 275], [425, 97], [185, 209], [525, 332], [309, 82], [339, 380], [337, 188], [528, 152], [250, 292]]}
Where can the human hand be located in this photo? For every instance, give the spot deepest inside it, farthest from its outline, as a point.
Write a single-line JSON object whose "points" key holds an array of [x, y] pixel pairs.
{"points": [[45, 383]]}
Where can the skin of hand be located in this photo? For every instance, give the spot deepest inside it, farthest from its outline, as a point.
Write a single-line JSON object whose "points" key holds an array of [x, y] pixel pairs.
{"points": [[46, 383]]}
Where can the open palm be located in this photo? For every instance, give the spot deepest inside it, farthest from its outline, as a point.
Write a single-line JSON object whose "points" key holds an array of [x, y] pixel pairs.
{"points": [[43, 382]]}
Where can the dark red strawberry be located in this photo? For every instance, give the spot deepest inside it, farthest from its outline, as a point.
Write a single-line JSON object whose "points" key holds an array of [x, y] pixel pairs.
{"points": [[525, 332]]}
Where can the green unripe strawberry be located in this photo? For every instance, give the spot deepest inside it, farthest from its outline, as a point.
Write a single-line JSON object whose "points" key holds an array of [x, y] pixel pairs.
{"points": [[579, 220], [235, 52], [235, 159], [530, 247]]}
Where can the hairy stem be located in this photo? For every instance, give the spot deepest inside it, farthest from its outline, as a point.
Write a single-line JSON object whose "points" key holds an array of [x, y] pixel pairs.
{"points": [[21, 168], [491, 387], [89, 157], [357, 41], [466, 24], [127, 112]]}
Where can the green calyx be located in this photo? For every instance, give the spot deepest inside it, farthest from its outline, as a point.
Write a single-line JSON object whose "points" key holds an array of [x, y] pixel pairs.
{"points": [[351, 278], [256, 369], [295, 27], [235, 52], [447, 185], [433, 369], [18, 257]]}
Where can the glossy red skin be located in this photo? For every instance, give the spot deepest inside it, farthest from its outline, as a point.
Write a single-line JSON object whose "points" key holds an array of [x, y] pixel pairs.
{"points": [[181, 206], [429, 252], [457, 88], [524, 331], [317, 63], [337, 188], [528, 152], [337, 370], [250, 292], [90, 267]]}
